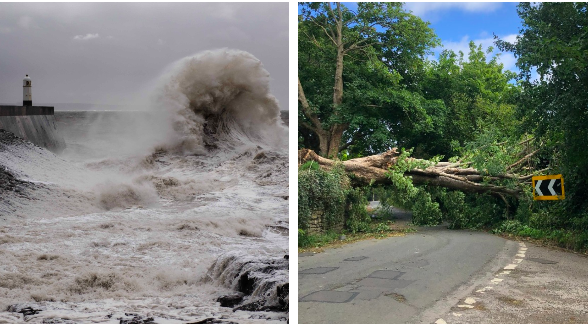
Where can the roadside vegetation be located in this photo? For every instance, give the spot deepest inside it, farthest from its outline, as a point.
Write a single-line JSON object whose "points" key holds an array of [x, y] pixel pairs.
{"points": [[464, 135]]}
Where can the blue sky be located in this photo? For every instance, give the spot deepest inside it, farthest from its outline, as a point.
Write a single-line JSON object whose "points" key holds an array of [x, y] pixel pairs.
{"points": [[457, 23]]}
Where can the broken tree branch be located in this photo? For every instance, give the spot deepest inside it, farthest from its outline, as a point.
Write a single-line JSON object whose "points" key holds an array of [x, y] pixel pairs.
{"points": [[374, 169]]}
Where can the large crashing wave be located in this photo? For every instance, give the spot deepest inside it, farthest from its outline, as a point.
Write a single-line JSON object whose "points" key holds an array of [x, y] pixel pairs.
{"points": [[221, 98]]}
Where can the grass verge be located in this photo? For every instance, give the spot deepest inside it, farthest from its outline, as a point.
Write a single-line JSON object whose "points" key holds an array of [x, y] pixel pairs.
{"points": [[319, 242]]}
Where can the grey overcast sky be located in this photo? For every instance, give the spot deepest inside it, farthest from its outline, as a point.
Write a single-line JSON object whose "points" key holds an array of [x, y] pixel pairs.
{"points": [[107, 53]]}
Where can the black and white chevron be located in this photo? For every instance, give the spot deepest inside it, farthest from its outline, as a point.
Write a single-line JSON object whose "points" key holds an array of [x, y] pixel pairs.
{"points": [[549, 187]]}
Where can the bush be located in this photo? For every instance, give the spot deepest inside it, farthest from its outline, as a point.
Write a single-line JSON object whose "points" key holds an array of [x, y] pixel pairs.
{"points": [[329, 194], [358, 219], [321, 192], [424, 210]]}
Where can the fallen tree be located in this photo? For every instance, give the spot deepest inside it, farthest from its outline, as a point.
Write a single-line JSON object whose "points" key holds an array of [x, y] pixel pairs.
{"points": [[374, 170]]}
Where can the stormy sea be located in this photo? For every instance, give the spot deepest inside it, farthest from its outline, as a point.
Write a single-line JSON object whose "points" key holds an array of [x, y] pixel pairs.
{"points": [[177, 213]]}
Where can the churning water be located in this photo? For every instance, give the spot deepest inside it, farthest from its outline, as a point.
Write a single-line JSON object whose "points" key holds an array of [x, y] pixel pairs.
{"points": [[151, 216]]}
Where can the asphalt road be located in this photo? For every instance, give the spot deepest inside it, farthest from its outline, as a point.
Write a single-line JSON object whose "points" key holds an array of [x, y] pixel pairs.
{"points": [[411, 279], [547, 286]]}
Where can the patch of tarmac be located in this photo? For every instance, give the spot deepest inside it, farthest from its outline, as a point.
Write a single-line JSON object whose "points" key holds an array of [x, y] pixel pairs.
{"points": [[533, 293]]}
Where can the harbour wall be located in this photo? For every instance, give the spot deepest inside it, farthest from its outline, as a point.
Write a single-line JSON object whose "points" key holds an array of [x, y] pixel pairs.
{"points": [[35, 124]]}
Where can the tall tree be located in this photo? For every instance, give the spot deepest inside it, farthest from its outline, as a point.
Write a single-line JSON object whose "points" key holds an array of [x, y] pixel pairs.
{"points": [[478, 96], [552, 53], [357, 72]]}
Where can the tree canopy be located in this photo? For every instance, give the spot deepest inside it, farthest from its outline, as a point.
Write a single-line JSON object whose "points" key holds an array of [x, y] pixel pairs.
{"points": [[552, 55], [366, 85], [357, 70], [368, 89]]}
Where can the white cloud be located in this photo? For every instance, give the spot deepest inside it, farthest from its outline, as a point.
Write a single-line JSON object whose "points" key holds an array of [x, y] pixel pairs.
{"points": [[5, 30], [507, 59], [160, 42], [86, 37], [424, 8], [25, 21], [510, 38]]}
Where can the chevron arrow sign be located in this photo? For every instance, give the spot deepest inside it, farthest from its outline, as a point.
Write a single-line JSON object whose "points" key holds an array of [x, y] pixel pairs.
{"points": [[549, 187]]}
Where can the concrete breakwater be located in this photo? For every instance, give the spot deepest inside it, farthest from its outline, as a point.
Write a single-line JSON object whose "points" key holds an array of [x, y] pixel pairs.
{"points": [[35, 124]]}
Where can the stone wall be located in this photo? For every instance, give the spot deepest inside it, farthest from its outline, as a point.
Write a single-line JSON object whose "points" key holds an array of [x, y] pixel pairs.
{"points": [[316, 225], [35, 124]]}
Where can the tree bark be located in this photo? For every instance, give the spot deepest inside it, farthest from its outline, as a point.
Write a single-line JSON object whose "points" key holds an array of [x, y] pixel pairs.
{"points": [[373, 170]]}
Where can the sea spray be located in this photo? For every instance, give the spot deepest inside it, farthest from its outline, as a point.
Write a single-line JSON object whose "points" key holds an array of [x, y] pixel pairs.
{"points": [[221, 98], [143, 205]]}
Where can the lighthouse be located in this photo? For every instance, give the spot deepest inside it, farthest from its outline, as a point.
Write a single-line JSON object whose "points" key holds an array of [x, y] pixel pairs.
{"points": [[35, 124], [27, 98]]}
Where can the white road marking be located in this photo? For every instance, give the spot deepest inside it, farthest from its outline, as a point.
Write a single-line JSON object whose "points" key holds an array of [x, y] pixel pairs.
{"points": [[483, 290], [469, 301], [440, 321], [518, 260], [521, 255], [465, 306], [510, 267], [496, 280], [505, 272], [457, 314]]}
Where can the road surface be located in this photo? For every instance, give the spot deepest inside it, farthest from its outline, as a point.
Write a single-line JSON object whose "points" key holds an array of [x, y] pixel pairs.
{"points": [[547, 286], [416, 278]]}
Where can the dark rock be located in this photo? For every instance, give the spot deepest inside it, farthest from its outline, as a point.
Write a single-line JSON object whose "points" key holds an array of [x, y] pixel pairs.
{"points": [[281, 229], [137, 319], [257, 306], [259, 156], [249, 275], [230, 300], [246, 284], [29, 311], [212, 321], [283, 293], [58, 321]]}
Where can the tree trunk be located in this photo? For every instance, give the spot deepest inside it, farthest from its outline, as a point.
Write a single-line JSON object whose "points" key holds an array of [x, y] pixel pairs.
{"points": [[373, 169], [338, 88], [335, 138], [336, 130]]}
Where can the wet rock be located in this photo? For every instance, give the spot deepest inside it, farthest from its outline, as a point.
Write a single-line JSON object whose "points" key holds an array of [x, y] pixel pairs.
{"points": [[29, 311], [136, 319], [246, 284], [8, 182], [281, 229], [230, 300], [58, 321], [212, 321], [262, 282], [23, 309], [260, 155], [283, 293]]}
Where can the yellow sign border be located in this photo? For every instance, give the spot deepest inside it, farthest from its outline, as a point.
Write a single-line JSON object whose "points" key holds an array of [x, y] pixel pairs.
{"points": [[549, 177]]}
